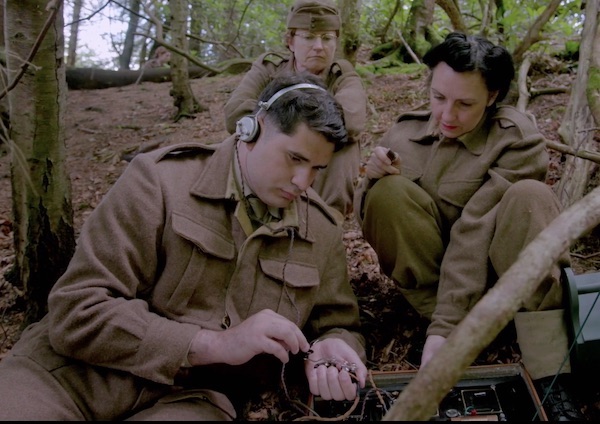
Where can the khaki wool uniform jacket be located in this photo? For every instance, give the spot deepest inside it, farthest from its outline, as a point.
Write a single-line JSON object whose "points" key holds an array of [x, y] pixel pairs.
{"points": [[337, 182], [466, 179], [163, 256]]}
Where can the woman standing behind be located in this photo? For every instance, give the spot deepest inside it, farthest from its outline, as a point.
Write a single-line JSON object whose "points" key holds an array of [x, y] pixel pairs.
{"points": [[313, 28], [454, 194]]}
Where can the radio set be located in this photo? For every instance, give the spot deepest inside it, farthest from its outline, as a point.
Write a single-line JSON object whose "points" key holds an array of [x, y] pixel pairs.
{"points": [[484, 393]]}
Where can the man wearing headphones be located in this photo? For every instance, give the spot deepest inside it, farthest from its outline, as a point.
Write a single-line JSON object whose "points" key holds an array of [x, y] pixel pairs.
{"points": [[205, 275], [312, 38]]}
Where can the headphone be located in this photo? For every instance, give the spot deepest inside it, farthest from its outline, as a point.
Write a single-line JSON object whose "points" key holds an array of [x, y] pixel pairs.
{"points": [[247, 128]]}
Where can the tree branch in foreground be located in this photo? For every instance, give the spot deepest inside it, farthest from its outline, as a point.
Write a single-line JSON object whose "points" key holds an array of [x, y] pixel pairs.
{"points": [[491, 314]]}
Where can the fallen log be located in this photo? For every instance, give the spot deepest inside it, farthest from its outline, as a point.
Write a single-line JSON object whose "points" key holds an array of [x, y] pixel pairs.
{"points": [[96, 78]]}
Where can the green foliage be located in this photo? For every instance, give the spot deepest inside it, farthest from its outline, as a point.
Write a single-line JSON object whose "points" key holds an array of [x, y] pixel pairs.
{"points": [[234, 29], [520, 15], [571, 51], [253, 27], [593, 85]]}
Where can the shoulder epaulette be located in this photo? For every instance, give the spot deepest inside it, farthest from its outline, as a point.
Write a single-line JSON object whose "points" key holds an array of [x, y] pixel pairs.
{"points": [[509, 116], [344, 65], [273, 57], [185, 150], [421, 115]]}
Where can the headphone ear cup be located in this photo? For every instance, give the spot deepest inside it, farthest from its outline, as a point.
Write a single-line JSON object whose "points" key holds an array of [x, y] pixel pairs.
{"points": [[247, 128]]}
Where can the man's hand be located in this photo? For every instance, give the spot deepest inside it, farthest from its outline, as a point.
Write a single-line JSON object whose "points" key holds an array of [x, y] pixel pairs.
{"points": [[432, 345], [263, 332], [333, 369], [382, 162]]}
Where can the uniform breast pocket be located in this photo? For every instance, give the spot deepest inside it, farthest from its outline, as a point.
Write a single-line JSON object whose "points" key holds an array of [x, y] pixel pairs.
{"points": [[285, 286], [204, 266], [458, 192], [411, 173]]}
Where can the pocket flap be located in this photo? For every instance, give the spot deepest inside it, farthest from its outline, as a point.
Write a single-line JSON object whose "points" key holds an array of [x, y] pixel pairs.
{"points": [[296, 274], [204, 236]]}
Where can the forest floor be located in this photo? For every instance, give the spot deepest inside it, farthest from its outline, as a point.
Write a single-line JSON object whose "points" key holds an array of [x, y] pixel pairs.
{"points": [[104, 125]]}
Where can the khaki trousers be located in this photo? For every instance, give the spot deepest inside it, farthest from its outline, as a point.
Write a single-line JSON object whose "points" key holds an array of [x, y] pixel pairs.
{"points": [[28, 392], [405, 228]]}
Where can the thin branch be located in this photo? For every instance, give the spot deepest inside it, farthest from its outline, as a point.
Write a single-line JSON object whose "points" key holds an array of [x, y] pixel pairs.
{"points": [[524, 95], [410, 51], [87, 18], [583, 154], [182, 53]]}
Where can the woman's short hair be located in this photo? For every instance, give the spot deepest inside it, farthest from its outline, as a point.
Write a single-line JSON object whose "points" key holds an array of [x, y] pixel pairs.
{"points": [[465, 53]]}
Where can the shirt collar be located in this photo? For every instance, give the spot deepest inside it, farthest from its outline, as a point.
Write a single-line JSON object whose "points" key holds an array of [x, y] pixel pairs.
{"points": [[259, 208]]}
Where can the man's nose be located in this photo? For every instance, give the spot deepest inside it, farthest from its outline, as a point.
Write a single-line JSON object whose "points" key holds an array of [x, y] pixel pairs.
{"points": [[303, 178]]}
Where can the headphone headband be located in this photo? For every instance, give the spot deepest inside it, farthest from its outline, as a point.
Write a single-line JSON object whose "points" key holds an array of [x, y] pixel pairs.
{"points": [[247, 128], [266, 105]]}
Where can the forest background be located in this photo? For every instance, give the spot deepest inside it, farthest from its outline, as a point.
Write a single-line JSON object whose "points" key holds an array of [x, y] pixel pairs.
{"points": [[218, 39]]}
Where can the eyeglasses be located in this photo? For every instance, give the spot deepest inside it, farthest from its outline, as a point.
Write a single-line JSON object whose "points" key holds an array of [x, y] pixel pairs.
{"points": [[310, 38]]}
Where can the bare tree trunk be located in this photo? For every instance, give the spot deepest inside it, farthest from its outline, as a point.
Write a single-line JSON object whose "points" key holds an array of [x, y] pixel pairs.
{"points": [[125, 56], [593, 94], [195, 44], [578, 128], [41, 192], [184, 99], [453, 12], [2, 23], [417, 33], [74, 34], [486, 19], [491, 314], [350, 11]]}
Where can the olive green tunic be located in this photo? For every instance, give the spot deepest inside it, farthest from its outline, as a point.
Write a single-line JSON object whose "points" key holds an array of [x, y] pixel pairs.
{"points": [[162, 256], [458, 216]]}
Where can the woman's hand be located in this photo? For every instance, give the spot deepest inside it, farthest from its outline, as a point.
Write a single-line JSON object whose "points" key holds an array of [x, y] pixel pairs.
{"points": [[382, 162], [432, 345], [333, 370]]}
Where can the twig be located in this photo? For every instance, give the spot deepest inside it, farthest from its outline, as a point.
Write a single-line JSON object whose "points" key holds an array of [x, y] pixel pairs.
{"points": [[584, 154], [580, 256]]}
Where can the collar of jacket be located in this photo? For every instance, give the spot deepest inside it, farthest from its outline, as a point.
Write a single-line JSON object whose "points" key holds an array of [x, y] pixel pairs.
{"points": [[213, 184], [474, 140], [328, 75]]}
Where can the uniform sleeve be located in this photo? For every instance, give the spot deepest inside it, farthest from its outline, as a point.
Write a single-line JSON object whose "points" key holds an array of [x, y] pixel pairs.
{"points": [[350, 93], [464, 269], [244, 98], [336, 313], [96, 312], [364, 184]]}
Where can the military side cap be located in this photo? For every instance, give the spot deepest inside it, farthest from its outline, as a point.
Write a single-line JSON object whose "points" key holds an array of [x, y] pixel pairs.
{"points": [[314, 15]]}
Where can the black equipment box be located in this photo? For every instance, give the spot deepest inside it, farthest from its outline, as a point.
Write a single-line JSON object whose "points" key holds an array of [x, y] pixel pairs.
{"points": [[583, 321], [502, 392]]}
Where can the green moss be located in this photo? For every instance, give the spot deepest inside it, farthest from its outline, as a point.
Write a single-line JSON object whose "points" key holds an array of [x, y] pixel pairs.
{"points": [[389, 66], [594, 79]]}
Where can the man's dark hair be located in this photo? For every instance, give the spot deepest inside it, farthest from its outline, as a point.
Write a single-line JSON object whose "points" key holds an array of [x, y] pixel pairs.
{"points": [[317, 108], [465, 53]]}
